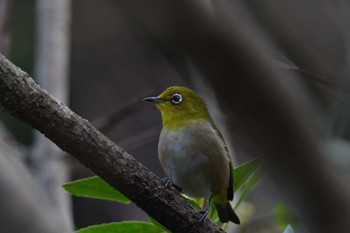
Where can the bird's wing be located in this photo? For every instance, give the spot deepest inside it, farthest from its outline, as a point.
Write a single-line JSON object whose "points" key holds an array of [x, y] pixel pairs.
{"points": [[230, 184], [231, 180], [222, 137]]}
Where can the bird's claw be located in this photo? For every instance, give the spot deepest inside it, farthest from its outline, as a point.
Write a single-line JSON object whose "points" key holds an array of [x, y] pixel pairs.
{"points": [[205, 212], [204, 215], [169, 184]]}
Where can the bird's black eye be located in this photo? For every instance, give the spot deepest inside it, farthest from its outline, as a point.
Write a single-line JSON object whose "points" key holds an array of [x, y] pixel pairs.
{"points": [[176, 98]]}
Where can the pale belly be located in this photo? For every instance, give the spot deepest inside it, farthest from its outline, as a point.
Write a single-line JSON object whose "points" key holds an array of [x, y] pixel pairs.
{"points": [[187, 160], [188, 174]]}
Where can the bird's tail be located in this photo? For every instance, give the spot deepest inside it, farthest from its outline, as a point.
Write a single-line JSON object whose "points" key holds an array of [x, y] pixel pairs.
{"points": [[226, 213]]}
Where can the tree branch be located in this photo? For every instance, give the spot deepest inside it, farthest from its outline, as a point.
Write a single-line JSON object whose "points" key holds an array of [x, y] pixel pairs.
{"points": [[24, 99]]}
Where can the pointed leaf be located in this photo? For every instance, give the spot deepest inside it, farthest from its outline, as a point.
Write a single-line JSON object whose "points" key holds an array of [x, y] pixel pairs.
{"points": [[244, 171], [251, 183], [122, 227], [95, 187]]}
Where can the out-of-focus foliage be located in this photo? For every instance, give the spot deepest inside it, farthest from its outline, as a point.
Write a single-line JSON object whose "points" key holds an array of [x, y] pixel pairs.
{"points": [[282, 215], [22, 54], [289, 229]]}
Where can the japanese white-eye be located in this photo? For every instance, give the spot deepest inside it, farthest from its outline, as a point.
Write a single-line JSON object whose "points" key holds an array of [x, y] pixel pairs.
{"points": [[192, 151]]}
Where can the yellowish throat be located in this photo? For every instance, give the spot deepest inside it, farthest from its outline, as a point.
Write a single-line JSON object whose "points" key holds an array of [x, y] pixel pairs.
{"points": [[193, 152]]}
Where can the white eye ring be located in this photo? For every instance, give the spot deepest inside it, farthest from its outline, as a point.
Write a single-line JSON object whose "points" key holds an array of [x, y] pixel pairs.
{"points": [[176, 98]]}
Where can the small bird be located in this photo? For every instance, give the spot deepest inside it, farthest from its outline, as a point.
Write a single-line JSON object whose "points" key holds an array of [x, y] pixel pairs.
{"points": [[192, 151]]}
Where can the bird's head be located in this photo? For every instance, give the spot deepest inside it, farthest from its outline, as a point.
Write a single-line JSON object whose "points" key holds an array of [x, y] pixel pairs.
{"points": [[179, 106]]}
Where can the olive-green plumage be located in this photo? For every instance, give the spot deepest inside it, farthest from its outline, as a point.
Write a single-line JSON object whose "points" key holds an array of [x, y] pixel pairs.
{"points": [[192, 151]]}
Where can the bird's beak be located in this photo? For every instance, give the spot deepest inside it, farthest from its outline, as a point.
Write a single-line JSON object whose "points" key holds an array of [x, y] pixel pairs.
{"points": [[155, 100]]}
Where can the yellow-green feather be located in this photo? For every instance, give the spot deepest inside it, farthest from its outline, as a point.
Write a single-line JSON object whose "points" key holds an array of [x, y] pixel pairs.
{"points": [[191, 109]]}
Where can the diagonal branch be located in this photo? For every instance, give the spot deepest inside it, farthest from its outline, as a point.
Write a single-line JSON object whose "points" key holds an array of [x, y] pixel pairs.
{"points": [[24, 99]]}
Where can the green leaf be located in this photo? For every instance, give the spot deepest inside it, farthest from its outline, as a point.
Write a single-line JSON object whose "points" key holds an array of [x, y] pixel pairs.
{"points": [[122, 227], [158, 224], [95, 187], [289, 229], [251, 182], [244, 171]]}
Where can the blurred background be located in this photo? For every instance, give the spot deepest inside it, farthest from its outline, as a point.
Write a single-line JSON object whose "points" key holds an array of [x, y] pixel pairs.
{"points": [[102, 57]]}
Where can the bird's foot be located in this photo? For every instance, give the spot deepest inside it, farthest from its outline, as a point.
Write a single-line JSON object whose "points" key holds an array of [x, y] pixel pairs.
{"points": [[168, 184], [205, 212], [204, 215]]}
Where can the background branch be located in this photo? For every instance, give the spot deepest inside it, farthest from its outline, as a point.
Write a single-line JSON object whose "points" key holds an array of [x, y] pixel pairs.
{"points": [[47, 162], [106, 123]]}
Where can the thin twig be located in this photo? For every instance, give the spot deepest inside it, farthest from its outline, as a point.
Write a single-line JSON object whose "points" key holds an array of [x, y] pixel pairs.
{"points": [[106, 123]]}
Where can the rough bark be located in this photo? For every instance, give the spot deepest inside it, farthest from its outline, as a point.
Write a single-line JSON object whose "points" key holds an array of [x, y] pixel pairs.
{"points": [[24, 99]]}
